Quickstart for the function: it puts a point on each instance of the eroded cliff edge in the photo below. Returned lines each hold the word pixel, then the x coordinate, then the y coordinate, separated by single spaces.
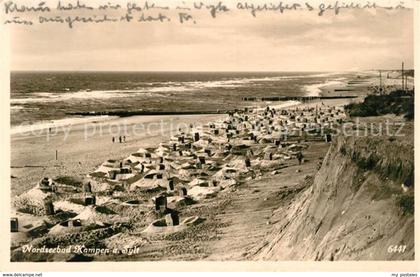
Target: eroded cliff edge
pixel 359 206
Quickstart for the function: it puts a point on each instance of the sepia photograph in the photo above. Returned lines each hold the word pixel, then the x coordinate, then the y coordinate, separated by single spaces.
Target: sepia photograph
pixel 210 130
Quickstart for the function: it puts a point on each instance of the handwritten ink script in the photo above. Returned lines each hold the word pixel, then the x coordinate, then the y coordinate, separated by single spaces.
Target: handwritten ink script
pixel 74 13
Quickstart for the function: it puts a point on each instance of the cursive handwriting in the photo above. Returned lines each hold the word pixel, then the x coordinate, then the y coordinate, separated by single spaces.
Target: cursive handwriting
pixel 72 12
pixel 336 7
pixel 133 7
pixel 254 8
pixel 214 9
pixel 11 7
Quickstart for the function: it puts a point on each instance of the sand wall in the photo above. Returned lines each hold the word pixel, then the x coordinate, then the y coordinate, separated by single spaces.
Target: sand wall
pixel 351 211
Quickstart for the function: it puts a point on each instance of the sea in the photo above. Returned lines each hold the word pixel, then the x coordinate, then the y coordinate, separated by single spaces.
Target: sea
pixel 38 97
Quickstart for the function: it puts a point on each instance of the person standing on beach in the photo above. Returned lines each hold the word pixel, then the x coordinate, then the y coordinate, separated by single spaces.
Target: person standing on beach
pixel 113 139
pixel 123 138
pixel 120 139
pixel 299 156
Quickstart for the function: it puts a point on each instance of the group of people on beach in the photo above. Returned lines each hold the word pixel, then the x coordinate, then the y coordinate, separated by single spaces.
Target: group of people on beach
pixel 121 139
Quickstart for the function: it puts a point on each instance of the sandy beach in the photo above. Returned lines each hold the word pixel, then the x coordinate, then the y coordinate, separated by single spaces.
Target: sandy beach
pixel 87 142
pixel 84 147
pixel 223 219
pixel 271 190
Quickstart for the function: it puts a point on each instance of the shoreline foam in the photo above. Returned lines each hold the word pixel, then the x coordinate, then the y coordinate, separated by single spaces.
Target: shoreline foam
pixel 58 123
pixel 316 89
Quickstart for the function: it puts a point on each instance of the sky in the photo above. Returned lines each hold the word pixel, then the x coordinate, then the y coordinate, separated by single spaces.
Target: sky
pixel 234 41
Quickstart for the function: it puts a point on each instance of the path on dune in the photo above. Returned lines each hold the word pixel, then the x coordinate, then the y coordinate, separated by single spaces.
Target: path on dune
pixel 247 217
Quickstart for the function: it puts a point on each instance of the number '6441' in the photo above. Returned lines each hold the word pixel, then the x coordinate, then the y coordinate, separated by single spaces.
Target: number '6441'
pixel 397 248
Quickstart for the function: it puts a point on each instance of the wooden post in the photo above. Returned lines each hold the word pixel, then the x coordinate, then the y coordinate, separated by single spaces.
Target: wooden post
pixel 402 75
pixel 380 82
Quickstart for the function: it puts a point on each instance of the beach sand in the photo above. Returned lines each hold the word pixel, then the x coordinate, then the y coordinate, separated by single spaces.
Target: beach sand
pixel 85 146
pixel 226 234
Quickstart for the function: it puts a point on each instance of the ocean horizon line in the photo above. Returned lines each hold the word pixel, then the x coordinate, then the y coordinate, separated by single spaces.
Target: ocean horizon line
pixel 190 71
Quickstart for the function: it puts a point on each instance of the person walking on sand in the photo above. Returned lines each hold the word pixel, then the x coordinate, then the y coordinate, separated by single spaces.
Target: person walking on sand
pixel 123 138
pixel 120 139
pixel 299 156
pixel 113 139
